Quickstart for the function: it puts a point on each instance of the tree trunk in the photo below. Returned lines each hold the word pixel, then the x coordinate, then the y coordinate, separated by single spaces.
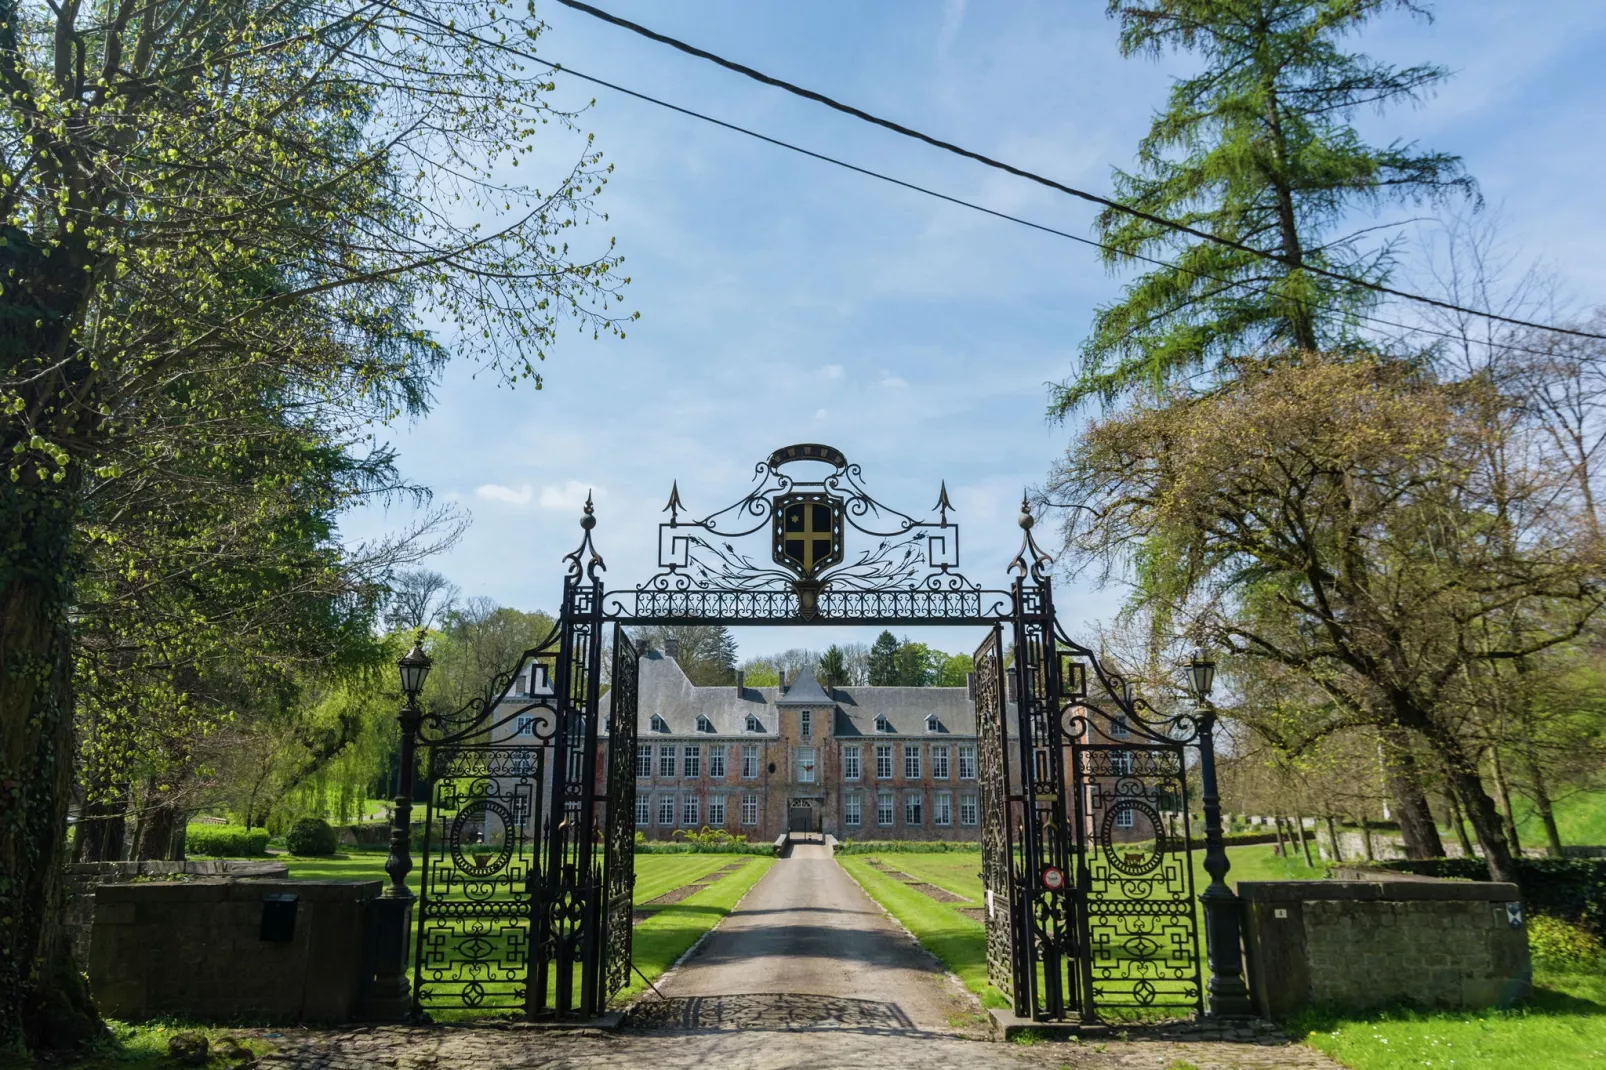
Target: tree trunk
pixel 1366 838
pixel 1547 812
pixel 42 1001
pixel 1418 833
pixel 101 825
pixel 158 832
pixel 1459 822
pixel 1505 801
pixel 1481 811
pixel 1304 844
pixel 1332 836
pixel 1277 823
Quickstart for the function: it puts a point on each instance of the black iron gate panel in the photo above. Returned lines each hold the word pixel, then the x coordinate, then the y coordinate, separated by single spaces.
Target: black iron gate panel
pixel 1139 909
pixel 619 815
pixel 479 855
pixel 998 817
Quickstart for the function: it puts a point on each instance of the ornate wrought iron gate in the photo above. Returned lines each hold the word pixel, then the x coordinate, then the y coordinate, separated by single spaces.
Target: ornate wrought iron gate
pixel 529 868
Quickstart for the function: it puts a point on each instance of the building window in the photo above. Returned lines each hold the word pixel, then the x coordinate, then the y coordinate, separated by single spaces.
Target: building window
pixel 1118 726
pixel 692 760
pixel 658 724
pixel 643 759
pixel 577 764
pixel 942 809
pixel 749 760
pixel 704 724
pixel 882 724
pixel 967 761
pixel 967 809
pixel 883 761
pixel 932 724
pixel 911 809
pixel 851 815
pixel 805 723
pixel 716 810
pixel 749 809
pixel 939 761
pixel 754 724
pixel 716 761
pixel 666 761
pixel 524 726
pixel 689 810
pixel 883 808
pixel 805 765
pixel 850 762
pixel 1126 818
pixel 911 761
pixel 643 810
pixel 523 763
pixel 666 809
pixel 1121 763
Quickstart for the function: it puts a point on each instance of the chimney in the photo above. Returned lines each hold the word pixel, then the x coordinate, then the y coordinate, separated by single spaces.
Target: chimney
pixel 740 675
pixel 1011 684
pixel 672 648
pixel 782 675
pixel 970 686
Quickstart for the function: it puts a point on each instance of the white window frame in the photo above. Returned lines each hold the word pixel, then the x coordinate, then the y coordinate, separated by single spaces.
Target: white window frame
pixel 704 724
pixel 882 724
pixel 808 757
pixel 749 761
pixel 666 809
pixel 754 724
pixel 885 805
pixel 852 810
pixel 939 761
pixel 643 811
pixel 716 761
pixel 643 761
pixel 749 809
pixel 805 723
pixel 883 761
pixel 942 809
pixel 911 761
pixel 968 809
pixel 716 811
pixel 691 810
pixel 852 761
pixel 914 809
pixel 1126 818
pixel 658 724
pixel 967 761
pixel 666 762
pixel 1119 729
pixel 932 724
pixel 691 760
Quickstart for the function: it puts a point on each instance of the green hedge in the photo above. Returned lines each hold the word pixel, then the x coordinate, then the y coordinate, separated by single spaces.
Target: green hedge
pixel 225 841
pixel 671 847
pixel 880 847
pixel 1573 889
pixel 311 837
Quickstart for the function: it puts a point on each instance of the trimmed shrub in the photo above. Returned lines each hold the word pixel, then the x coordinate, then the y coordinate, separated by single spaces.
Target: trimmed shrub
pixel 916 847
pixel 310 836
pixel 1564 947
pixel 225 841
pixel 1571 889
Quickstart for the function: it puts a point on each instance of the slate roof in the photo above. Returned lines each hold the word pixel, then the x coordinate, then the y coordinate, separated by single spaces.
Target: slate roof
pixel 665 691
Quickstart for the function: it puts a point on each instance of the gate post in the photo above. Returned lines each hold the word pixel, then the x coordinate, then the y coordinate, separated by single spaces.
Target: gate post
pixel 1229 996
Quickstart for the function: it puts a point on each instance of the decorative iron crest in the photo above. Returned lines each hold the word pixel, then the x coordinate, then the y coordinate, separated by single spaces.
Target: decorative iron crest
pixel 811 523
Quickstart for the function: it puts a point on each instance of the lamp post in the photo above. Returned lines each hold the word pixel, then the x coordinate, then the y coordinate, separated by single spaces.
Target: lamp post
pixel 392 912
pixel 1229 996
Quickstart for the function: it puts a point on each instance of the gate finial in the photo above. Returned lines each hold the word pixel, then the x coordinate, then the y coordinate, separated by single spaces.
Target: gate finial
pixel 674 507
pixel 1031 560
pixel 587 550
pixel 943 504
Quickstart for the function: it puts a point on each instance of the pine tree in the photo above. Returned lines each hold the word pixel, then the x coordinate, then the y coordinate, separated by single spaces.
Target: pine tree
pixel 833 667
pixel 884 661
pixel 1257 148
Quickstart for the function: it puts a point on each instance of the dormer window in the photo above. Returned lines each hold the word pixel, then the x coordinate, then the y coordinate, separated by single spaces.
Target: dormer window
pixel 932 724
pixel 704 724
pixel 754 724
pixel 658 724
pixel 882 724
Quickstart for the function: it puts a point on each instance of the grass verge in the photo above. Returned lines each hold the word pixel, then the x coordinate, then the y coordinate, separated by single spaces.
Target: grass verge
pixel 667 935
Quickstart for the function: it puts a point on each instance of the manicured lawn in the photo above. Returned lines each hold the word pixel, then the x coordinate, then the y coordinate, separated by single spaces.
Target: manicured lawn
pixel 1562 1026
pixel 1580 818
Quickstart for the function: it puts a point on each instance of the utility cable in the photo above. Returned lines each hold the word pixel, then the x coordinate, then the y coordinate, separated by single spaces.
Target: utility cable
pixel 1105 202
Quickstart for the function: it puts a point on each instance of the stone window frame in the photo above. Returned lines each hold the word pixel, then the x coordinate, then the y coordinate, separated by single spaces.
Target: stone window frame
pixel 749 761
pixel 666 761
pixel 716 811
pixel 940 766
pixel 691 760
pixel 1119 729
pixel 942 809
pixel 967 761
pixel 811 757
pixel 691 809
pixel 1126 818
pixel 852 761
pixel 749 809
pixel 885 808
pixel 716 761
pixel 643 811
pixel 914 807
pixel 883 761
pixel 911 761
pixel 852 810
pixel 666 809
pixel 805 724
pixel 643 761
pixel 969 806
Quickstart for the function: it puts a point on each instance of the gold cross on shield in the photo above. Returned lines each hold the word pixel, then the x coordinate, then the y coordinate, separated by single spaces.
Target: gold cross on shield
pixel 806 531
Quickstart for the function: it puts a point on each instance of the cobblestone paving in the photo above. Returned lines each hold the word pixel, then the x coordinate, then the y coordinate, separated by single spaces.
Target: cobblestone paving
pixel 758 1048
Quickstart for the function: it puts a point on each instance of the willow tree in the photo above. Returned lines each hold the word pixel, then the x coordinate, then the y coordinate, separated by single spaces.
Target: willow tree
pixel 1255 148
pixel 364 158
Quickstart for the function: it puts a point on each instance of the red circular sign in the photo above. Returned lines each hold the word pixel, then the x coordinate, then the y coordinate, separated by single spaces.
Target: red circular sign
pixel 1053 879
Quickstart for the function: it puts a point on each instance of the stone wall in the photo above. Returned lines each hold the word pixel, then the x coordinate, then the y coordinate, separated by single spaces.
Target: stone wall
pixel 84 877
pixel 1360 944
pixel 220 949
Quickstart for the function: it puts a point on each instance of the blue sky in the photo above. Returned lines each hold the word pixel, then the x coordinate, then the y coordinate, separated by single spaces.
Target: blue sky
pixel 785 301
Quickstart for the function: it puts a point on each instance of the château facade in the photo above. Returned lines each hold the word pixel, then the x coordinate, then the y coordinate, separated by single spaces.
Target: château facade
pixel 865 763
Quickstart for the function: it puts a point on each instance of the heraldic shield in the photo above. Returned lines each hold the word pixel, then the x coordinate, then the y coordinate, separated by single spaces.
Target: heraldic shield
pixel 808 533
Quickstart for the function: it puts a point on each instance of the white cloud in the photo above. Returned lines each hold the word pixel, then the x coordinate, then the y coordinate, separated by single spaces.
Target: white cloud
pixel 833 371
pixel 495 492
pixel 892 382
pixel 570 497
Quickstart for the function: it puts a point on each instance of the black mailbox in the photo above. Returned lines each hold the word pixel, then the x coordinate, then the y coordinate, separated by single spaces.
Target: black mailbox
pixel 278 918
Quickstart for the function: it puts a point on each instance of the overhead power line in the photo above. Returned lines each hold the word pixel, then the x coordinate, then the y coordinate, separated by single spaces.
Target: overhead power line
pixel 959 150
